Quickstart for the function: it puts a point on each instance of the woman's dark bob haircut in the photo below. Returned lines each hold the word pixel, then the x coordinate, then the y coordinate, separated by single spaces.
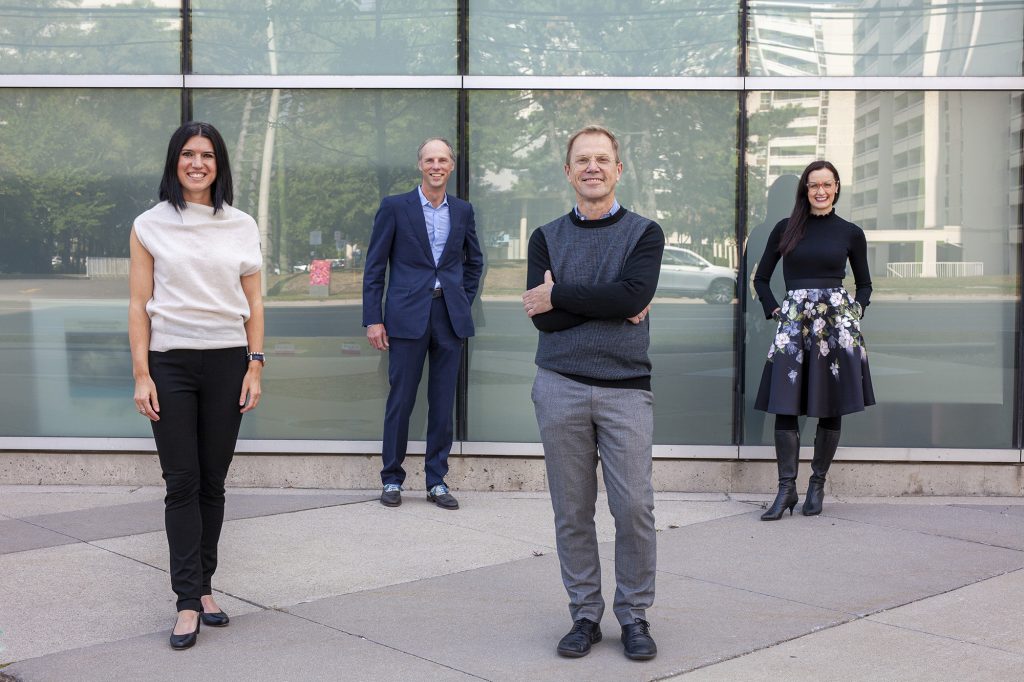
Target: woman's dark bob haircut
pixel 170 188
pixel 797 225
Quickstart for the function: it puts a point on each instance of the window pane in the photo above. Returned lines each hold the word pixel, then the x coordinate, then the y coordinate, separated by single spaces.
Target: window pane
pixel 368 37
pixel 679 169
pixel 76 167
pixel 332 157
pixel 109 37
pixel 933 178
pixel 885 38
pixel 624 38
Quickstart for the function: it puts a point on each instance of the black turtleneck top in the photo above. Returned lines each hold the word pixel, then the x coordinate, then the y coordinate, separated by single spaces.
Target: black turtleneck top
pixel 818 261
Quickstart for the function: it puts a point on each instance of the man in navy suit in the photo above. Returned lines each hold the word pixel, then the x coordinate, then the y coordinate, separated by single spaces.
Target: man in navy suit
pixel 429 240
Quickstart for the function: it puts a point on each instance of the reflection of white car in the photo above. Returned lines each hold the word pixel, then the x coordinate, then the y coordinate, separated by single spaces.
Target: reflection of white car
pixel 685 273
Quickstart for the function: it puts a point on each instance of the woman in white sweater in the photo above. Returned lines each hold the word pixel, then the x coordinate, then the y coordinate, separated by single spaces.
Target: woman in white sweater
pixel 195 323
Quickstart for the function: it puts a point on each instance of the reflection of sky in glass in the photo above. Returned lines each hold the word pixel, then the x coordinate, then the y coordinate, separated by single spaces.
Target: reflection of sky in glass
pixel 624 38
pixel 872 38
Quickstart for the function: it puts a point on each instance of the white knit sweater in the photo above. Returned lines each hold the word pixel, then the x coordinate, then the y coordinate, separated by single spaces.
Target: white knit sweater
pixel 198 260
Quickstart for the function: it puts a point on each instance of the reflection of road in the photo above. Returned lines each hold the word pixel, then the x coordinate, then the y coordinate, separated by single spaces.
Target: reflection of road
pixel 941 369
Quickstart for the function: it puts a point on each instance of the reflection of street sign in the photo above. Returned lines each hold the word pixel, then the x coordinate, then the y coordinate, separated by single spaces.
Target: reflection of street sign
pixel 315 238
pixel 319 278
pixel 337 235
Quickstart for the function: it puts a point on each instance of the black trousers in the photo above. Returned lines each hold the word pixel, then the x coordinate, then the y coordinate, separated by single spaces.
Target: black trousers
pixel 198 393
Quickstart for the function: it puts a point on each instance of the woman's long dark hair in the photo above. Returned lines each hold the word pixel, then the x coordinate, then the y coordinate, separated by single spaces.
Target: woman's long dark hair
pixel 170 188
pixel 797 225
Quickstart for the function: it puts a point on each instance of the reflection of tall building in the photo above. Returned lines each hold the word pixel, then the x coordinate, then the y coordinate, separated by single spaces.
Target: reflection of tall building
pixel 801 43
pixel 893 38
pixel 920 156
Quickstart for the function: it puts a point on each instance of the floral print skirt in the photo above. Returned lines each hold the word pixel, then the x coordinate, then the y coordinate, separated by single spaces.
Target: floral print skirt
pixel 818 363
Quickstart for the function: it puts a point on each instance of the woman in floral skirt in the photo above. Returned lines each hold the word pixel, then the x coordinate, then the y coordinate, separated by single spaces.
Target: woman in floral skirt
pixel 818 363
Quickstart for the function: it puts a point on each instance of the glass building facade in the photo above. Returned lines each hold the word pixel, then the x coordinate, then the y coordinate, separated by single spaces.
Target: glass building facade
pixel 718 104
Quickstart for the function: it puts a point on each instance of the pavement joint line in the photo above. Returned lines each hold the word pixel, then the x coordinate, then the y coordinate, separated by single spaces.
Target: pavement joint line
pixel 832 515
pixel 855 618
pixel 770 645
pixel 285 611
pixel 937 635
pixel 739 588
pixel 25 519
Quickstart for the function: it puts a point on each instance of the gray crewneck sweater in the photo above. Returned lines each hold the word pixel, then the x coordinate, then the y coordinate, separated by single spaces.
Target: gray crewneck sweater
pixel 602 349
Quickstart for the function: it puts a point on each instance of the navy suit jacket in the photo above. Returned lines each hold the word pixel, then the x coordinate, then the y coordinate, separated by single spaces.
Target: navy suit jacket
pixel 400 240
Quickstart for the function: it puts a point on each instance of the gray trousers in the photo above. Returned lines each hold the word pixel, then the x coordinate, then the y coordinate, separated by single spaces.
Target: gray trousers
pixel 576 421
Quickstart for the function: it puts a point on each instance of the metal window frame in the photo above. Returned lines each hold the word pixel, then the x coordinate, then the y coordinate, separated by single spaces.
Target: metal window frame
pixel 512 450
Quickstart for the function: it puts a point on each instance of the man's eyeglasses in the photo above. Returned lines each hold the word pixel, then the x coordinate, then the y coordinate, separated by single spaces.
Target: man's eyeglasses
pixel 815 186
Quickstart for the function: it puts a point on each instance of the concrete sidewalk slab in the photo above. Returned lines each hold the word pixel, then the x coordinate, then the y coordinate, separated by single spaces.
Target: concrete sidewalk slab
pixel 18 501
pixel 263 647
pixel 988 613
pixel 832 563
pixel 20 536
pixel 1016 510
pixel 965 523
pixel 866 650
pixel 286 559
pixel 77 595
pixel 119 520
pixel 530 519
pixel 369 592
pixel 503 622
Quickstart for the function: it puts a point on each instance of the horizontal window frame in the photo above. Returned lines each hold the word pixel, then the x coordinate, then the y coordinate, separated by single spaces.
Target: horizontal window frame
pixel 518 449
pixel 448 82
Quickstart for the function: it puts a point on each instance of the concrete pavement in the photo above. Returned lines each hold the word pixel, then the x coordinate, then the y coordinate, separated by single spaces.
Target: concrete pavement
pixel 330 585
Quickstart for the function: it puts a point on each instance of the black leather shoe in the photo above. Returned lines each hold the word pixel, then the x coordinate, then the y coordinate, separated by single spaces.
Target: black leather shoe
pixel 214 620
pixel 391 496
pixel 440 496
pixel 186 640
pixel 577 642
pixel 636 638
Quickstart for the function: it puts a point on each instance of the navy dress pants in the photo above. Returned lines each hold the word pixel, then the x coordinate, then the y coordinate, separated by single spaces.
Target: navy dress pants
pixel 198 393
pixel 405 368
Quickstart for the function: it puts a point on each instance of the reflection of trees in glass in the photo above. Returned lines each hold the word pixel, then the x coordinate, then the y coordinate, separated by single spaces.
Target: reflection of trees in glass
pixel 603 37
pixel 76 166
pixel 325 36
pixel 61 36
pixel 336 155
pixel 677 149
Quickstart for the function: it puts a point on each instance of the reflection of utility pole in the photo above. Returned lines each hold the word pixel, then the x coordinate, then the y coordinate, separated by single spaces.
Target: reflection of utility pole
pixel 263 205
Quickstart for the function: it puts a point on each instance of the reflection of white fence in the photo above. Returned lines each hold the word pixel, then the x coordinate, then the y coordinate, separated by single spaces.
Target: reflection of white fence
pixel 106 267
pixel 947 269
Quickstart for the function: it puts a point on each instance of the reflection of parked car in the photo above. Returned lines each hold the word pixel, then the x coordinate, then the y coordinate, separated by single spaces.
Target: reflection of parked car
pixel 301 267
pixel 685 273
pixel 338 264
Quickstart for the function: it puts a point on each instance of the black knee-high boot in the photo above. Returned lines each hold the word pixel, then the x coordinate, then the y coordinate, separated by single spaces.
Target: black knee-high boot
pixel 825 443
pixel 787 456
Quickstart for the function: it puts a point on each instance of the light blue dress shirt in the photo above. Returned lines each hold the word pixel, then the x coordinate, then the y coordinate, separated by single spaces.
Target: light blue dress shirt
pixel 576 208
pixel 439 224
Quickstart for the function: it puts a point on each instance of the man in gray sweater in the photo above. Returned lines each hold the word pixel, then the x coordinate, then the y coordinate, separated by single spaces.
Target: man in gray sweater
pixel 591 276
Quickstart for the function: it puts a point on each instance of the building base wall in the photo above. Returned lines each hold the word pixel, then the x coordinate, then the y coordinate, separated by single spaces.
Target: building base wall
pixel 512 474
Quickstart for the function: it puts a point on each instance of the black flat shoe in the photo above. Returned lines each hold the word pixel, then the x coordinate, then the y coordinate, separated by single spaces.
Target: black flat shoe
pixel 637 640
pixel 214 620
pixel 577 641
pixel 187 640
